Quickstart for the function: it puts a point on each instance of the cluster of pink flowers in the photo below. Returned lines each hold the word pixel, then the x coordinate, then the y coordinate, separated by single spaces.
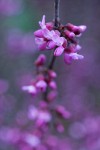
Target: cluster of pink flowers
pixel 61 39
pixel 42 114
pixel 44 79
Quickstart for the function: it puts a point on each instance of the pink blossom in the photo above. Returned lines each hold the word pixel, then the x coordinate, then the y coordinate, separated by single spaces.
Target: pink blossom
pixel 61 111
pixel 72 56
pixel 30 89
pixel 42 23
pixel 33 113
pixel 41 85
pixel 57 39
pixel 76 29
pixel 44 116
pixel 78 47
pixel 41 43
pixel 32 140
pixel 52 74
pixel 61 40
pixel 48 39
pixel 40 60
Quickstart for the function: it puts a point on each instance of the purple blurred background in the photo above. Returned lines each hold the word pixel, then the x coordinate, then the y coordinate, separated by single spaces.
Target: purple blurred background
pixel 78 83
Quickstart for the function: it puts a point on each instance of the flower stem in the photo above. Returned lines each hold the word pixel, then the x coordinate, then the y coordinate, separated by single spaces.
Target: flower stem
pixel 56 23
pixel 57 4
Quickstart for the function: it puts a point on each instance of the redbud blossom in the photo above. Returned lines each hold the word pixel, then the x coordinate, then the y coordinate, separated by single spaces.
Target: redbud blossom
pixel 30 89
pixel 40 60
pixel 41 85
pixel 62 40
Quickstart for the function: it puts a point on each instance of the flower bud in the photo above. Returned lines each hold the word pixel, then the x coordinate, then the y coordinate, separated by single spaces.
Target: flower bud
pixel 62 112
pixel 52 74
pixel 40 60
pixel 52 96
pixel 49 25
pixel 53 85
pixel 69 34
pixel 73 28
pixel 41 85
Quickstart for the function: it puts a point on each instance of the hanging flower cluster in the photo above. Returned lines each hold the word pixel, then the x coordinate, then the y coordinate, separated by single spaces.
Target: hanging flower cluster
pixel 44 79
pixel 42 115
pixel 61 39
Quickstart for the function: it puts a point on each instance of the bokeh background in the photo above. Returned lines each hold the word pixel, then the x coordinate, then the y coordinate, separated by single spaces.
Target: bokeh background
pixel 78 83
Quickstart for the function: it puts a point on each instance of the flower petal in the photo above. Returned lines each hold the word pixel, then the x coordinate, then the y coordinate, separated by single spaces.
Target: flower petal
pixel 30 89
pixel 39 33
pixel 51 45
pixel 58 51
pixel 76 56
pixel 72 56
pixel 42 23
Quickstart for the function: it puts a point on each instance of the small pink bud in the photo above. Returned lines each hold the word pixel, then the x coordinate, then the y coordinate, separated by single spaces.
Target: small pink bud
pixel 49 25
pixel 53 85
pixel 52 74
pixel 62 112
pixel 40 60
pixel 69 34
pixel 41 85
pixel 58 51
pixel 73 28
